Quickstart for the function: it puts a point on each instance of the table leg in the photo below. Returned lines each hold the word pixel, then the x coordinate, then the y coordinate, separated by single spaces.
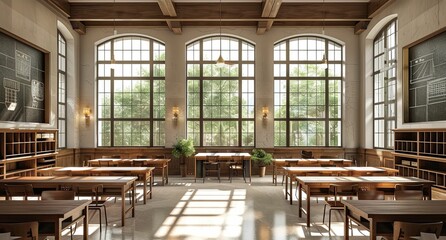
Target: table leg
pixel 300 200
pixel 308 208
pixel 372 229
pixel 85 237
pixel 151 183
pixel 162 174
pixel 58 229
pixel 286 187
pixel 291 189
pixel 274 175
pixel 133 198
pixel 167 173
pixel 346 223
pixel 123 206
pixel 144 189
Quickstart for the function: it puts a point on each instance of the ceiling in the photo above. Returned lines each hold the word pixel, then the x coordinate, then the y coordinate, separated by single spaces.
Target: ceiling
pixel 259 14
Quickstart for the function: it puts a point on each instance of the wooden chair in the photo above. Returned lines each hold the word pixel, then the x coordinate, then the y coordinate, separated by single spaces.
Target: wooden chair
pixel 95 192
pixel 406 230
pixel 25 230
pixel 371 195
pixel 409 195
pixel 336 191
pixel 307 154
pixel 22 190
pixel 211 165
pixel 62 195
pixel 236 165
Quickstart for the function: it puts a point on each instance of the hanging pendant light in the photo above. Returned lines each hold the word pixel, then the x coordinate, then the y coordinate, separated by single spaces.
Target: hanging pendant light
pixel 220 61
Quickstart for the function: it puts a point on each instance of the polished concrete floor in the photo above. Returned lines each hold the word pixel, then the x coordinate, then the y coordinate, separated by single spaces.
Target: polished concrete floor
pixel 184 209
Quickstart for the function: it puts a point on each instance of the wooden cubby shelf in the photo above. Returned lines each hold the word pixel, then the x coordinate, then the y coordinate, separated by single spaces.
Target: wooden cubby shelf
pixel 421 153
pixel 23 151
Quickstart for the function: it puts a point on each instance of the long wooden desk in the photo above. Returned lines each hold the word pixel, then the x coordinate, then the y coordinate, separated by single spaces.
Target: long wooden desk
pixel 144 174
pixel 55 212
pixel 372 214
pixel 116 186
pixel 319 186
pixel 292 172
pixel 200 157
pixel 288 162
pixel 157 163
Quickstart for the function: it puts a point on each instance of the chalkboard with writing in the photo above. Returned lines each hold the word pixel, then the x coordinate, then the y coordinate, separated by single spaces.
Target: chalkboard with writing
pixel 22 81
pixel 427 80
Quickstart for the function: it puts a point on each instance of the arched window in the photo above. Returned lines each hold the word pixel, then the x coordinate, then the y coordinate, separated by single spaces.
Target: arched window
pixel 131 99
pixel 384 86
pixel 62 89
pixel 308 74
pixel 220 100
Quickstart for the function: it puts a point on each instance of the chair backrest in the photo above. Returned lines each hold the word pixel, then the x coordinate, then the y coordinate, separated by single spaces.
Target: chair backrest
pixel 23 190
pixel 25 230
pixel 371 195
pixel 105 163
pixel 406 230
pixel 343 189
pixel 58 195
pixel 409 195
pixel 138 163
pixel 97 191
pixel 307 154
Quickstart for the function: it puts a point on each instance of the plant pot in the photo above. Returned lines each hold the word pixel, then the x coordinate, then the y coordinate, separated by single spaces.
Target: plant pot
pixel 262 170
pixel 183 170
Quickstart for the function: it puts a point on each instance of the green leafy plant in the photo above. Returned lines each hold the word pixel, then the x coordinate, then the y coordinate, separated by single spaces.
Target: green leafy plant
pixel 261 157
pixel 183 148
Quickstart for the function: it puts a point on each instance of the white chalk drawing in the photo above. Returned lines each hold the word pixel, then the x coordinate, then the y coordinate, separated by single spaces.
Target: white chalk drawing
pixel 22 65
pixel 422 68
pixel 11 89
pixel 436 91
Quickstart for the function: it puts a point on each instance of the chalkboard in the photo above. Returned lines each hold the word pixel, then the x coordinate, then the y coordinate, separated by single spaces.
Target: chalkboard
pixel 427 80
pixel 22 81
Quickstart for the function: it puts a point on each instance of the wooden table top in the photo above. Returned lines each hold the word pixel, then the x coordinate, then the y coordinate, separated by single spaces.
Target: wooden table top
pixel 373 208
pixel 227 154
pixel 108 180
pixel 362 179
pixel 57 208
pixel 332 169
pixel 311 160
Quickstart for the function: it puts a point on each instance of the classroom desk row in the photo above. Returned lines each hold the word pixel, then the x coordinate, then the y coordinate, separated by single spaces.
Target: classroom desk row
pixel 57 212
pixel 158 163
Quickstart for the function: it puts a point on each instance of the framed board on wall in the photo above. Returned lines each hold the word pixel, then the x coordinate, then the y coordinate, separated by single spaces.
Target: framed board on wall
pixel 23 80
pixel 424 79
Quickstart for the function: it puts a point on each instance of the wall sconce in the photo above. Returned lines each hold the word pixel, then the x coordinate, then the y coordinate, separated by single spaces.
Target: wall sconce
pixel 87 113
pixel 176 113
pixel 265 112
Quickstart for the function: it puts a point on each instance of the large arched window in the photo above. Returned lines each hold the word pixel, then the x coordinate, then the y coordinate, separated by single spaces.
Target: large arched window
pixel 384 86
pixel 308 74
pixel 62 89
pixel 220 100
pixel 131 99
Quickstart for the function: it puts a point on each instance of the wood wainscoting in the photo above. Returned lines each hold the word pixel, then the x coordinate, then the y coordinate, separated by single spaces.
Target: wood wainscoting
pixel 376 157
pixel 76 157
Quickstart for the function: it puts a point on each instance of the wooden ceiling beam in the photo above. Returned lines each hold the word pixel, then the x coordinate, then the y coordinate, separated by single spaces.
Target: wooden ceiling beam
pixel 63 6
pixel 270 10
pixel 361 27
pixel 167 8
pixel 375 6
pixel 175 26
pixel 79 27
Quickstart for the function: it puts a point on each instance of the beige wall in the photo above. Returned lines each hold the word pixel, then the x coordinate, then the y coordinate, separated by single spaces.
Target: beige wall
pixel 36 23
pixel 416 19
pixel 175 75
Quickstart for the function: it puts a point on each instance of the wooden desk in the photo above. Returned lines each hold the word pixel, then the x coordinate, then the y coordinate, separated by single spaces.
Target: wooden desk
pixel 373 213
pixel 292 172
pixel 51 211
pixel 116 186
pixel 282 162
pixel 158 163
pixel 200 157
pixel 144 174
pixel 319 186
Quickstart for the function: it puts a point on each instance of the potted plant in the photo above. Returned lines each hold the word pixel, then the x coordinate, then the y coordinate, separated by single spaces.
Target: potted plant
pixel 262 159
pixel 182 149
